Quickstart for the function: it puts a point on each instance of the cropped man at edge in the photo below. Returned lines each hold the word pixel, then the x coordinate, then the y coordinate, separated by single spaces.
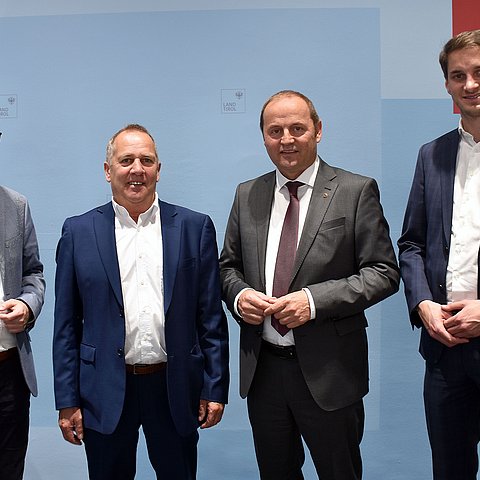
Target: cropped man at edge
pixel 439 258
pixel 22 292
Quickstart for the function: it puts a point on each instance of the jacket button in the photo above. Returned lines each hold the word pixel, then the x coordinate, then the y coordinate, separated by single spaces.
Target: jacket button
pixel 120 352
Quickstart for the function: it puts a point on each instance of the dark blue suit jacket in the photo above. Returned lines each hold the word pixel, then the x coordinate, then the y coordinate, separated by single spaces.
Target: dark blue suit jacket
pixel 89 332
pixel 425 240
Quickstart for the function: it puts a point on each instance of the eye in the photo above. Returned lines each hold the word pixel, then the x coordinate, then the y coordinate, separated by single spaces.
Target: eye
pixel 297 130
pixel 148 161
pixel 275 132
pixel 125 161
pixel 458 76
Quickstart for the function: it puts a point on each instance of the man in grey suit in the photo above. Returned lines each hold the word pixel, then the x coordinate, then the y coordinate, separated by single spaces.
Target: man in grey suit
pixel 22 289
pixel 303 349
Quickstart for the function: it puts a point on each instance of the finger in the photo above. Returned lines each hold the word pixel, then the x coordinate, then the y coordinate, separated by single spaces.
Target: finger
pixel 202 411
pixel 78 429
pixel 69 435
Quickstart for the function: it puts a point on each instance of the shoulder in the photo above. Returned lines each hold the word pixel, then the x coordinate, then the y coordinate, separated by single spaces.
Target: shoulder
pixel 170 209
pixel 344 177
pixel 9 195
pixel 449 138
pixel 87 216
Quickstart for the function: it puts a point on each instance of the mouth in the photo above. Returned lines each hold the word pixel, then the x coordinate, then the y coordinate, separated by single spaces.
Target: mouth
pixel 135 184
pixel 472 97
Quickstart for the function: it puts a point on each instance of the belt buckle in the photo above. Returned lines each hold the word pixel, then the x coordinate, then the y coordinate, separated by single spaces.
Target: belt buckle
pixel 135 367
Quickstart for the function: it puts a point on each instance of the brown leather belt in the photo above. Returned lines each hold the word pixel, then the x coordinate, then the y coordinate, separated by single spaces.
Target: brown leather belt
pixel 145 369
pixel 6 354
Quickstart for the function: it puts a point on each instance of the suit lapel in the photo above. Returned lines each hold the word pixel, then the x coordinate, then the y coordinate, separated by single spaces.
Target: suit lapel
pixel 2 237
pixel 171 233
pixel 104 228
pixel 262 200
pixel 448 159
pixel 322 194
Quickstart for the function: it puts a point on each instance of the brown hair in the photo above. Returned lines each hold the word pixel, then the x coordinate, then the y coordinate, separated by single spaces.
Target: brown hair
pixel 466 39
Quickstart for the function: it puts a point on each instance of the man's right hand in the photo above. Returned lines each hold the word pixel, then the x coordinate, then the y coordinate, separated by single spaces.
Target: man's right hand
pixel 251 305
pixel 433 316
pixel 70 421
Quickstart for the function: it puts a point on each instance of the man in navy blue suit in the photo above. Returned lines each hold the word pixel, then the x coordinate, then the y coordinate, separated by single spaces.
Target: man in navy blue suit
pixel 140 336
pixel 439 260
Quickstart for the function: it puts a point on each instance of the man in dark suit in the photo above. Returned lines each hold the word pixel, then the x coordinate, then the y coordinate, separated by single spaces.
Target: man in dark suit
pixel 22 291
pixel 439 252
pixel 140 336
pixel 306 380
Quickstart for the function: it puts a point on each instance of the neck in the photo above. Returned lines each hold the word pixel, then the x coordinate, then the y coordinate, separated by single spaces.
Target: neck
pixel 472 126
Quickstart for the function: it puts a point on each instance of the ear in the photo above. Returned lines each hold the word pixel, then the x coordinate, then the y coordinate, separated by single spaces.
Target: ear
pixel 106 168
pixel 158 171
pixel 447 87
pixel 318 128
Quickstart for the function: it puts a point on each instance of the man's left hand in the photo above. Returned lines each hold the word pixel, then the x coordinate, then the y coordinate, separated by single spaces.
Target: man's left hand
pixel 210 413
pixel 465 323
pixel 15 315
pixel 291 310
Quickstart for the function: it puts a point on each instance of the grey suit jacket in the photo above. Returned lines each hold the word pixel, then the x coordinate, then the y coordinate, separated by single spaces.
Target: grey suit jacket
pixel 21 270
pixel 346 259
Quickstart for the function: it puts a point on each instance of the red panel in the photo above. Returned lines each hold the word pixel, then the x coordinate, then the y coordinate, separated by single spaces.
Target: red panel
pixel 465 15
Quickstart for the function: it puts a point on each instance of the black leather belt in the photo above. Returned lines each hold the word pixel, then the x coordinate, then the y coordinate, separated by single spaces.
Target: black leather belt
pixel 282 351
pixel 145 369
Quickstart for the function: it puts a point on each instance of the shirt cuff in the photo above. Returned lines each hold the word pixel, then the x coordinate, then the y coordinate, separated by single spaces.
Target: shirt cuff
pixel 313 311
pixel 235 302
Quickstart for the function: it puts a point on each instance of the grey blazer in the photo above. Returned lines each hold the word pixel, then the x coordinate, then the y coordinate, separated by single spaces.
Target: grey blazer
pixel 21 270
pixel 344 256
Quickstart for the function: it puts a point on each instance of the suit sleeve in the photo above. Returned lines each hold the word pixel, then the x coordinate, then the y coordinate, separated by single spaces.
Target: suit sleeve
pixel 412 245
pixel 33 283
pixel 375 274
pixel 67 324
pixel 231 261
pixel 212 325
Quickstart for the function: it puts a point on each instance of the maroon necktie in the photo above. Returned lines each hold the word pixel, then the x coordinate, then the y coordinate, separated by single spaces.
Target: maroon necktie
pixel 286 251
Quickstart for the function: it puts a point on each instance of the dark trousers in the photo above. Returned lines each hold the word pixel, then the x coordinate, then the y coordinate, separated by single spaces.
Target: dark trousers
pixel 282 412
pixel 113 457
pixel 452 407
pixel 14 419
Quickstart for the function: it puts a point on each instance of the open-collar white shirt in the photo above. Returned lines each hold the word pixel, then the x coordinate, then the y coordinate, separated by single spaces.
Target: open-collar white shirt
pixel 140 259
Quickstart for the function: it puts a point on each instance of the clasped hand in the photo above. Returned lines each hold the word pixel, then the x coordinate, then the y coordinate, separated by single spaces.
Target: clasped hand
pixel 451 324
pixel 15 315
pixel 291 310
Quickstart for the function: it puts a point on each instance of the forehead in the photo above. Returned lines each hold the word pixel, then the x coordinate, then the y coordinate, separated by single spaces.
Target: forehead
pixel 132 140
pixel 289 108
pixel 464 58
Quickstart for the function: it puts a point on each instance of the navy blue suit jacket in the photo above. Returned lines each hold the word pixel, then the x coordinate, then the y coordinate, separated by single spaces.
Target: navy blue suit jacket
pixel 89 332
pixel 425 241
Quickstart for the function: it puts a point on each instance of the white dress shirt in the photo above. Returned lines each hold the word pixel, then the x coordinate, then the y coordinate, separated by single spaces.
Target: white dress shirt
pixel 462 269
pixel 140 259
pixel 281 200
pixel 7 339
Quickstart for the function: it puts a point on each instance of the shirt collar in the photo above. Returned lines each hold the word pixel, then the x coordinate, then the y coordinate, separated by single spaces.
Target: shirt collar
pixel 146 217
pixel 307 176
pixel 465 136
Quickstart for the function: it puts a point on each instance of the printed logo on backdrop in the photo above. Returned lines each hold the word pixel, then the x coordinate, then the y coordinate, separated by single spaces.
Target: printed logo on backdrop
pixel 8 106
pixel 233 100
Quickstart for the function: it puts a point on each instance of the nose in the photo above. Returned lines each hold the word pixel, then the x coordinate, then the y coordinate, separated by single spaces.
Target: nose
pixel 137 166
pixel 471 83
pixel 286 137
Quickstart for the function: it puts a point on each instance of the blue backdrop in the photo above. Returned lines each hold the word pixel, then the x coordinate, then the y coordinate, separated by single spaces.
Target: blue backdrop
pixel 79 78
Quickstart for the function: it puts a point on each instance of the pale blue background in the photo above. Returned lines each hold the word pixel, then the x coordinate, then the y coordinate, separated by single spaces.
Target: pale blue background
pixel 81 70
